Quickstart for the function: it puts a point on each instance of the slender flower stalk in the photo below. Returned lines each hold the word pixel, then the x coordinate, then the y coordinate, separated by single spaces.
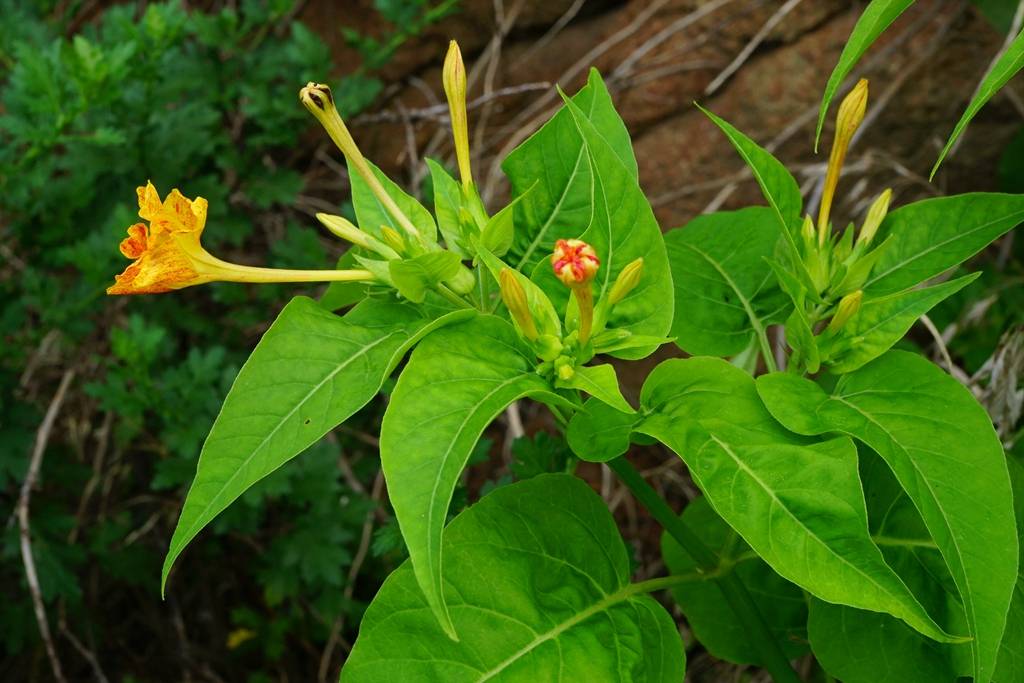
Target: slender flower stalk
pixel 167 254
pixel 318 99
pixel 453 78
pixel 848 120
pixel 575 263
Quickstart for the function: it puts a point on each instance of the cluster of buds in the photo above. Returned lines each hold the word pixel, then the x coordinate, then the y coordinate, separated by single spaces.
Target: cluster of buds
pixel 838 268
pixel 575 264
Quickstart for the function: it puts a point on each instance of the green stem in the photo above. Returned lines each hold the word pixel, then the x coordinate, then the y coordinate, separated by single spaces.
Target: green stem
pixel 453 297
pixel 771 655
pixel 766 349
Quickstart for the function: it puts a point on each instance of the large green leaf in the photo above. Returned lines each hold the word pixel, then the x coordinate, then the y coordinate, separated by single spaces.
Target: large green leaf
pixel 539 591
pixel 554 157
pixel 943 450
pixel 799 505
pixel 309 373
pixel 867 647
pixel 877 17
pixel 456 382
pixel 1005 68
pixel 1010 664
pixel 931 236
pixel 599 432
pixel 725 292
pixel 371 214
pixel 705 607
pixel 881 322
pixel 622 229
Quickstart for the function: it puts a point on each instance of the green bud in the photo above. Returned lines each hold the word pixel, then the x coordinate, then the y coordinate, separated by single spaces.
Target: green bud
pixel 876 214
pixel 847 308
pixel 548 347
pixel 463 282
pixel 393 239
pixel 626 282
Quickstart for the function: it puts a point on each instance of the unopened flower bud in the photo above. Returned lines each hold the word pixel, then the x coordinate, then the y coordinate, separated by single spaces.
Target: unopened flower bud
pixel 548 347
pixel 876 214
pixel 626 282
pixel 344 229
pixel 454 79
pixel 393 239
pixel 564 368
pixel 514 296
pixel 807 232
pixel 848 120
pixel 463 281
pixel 575 262
pixel 847 308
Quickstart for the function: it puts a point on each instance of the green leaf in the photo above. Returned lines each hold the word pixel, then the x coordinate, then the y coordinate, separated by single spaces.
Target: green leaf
pixel 499 232
pixel 1005 68
pixel 943 450
pixel 880 323
pixel 868 647
pixel 555 158
pixel 599 432
pixel 447 207
pixel 371 214
pixel 706 608
pixel 933 235
pixel 413 277
pixel 799 505
pixel 725 292
pixel 601 382
pixel 777 184
pixel 539 591
pixel 308 374
pixel 622 229
pixel 877 17
pixel 1010 663
pixel 341 294
pixel 456 382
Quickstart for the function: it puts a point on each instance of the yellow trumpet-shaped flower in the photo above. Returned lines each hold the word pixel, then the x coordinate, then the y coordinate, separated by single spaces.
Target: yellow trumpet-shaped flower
pixel 167 254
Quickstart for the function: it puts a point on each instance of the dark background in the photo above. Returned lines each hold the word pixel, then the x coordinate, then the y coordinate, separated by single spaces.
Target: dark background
pixel 98 97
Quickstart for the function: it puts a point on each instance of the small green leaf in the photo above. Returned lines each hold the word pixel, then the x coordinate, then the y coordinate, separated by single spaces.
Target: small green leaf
pixel 706 608
pixel 453 386
pixel 341 294
pixel 725 292
pixel 413 277
pixel 943 450
pixel 931 236
pixel 447 207
pixel 601 382
pixel 799 505
pixel 1005 68
pixel 880 323
pixel 877 17
pixel 539 591
pixel 599 432
pixel 499 232
pixel 309 373
pixel 371 214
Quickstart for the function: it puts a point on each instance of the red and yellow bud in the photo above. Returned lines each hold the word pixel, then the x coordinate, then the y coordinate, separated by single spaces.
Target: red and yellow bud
pixel 575 263
pixel 167 254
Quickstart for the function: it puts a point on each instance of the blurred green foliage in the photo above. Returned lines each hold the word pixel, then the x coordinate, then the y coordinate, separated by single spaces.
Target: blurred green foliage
pixel 92 106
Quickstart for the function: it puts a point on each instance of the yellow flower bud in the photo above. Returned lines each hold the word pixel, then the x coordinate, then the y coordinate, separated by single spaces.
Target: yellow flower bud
pixel 393 239
pixel 876 214
pixel 848 120
pixel 514 296
pixel 317 98
pixel 847 308
pixel 344 229
pixel 454 79
pixel 626 282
